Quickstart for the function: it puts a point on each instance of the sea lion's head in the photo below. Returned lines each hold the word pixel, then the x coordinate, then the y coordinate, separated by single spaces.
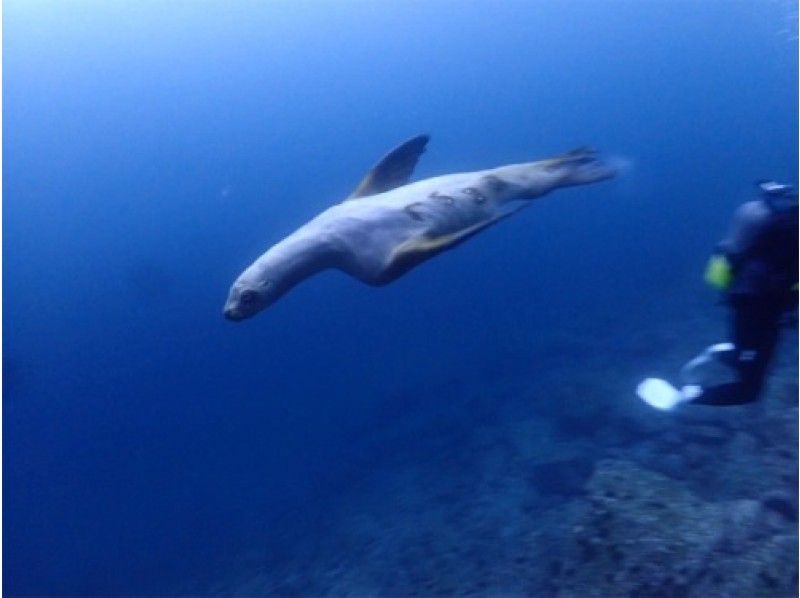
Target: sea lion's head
pixel 275 273
pixel 249 295
pixel 264 282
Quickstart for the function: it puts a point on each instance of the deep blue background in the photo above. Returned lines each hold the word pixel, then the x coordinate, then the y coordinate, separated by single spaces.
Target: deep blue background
pixel 152 150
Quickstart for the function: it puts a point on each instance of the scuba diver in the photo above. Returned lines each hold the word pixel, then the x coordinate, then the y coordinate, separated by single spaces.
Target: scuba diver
pixel 756 266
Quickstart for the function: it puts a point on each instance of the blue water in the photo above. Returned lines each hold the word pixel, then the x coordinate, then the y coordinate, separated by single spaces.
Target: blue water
pixel 153 149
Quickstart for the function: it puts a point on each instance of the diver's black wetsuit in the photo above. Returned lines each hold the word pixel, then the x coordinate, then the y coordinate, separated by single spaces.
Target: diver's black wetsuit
pixel 763 252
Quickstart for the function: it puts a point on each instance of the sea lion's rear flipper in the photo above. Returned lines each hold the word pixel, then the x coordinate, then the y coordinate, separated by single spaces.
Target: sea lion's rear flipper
pixel 394 169
pixel 581 155
pixel 579 167
pixel 416 251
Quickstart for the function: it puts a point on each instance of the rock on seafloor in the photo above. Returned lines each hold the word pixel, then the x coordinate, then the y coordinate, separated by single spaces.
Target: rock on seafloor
pixel 518 495
pixel 643 534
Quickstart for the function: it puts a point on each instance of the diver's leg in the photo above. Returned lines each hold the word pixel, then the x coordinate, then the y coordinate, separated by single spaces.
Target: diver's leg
pixel 755 333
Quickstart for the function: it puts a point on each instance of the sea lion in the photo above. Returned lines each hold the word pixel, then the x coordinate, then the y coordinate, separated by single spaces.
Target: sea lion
pixel 388 226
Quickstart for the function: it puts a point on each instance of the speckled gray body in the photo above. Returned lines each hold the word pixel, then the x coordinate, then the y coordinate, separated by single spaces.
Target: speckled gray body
pixel 379 237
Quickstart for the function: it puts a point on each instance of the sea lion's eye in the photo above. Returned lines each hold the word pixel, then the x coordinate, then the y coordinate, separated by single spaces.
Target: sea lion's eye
pixel 248 297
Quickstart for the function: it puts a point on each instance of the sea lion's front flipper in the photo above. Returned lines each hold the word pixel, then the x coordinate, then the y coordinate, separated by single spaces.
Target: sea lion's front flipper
pixel 394 169
pixel 416 251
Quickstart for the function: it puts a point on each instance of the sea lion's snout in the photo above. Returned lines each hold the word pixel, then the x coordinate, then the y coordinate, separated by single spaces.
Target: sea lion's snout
pixel 230 313
pixel 246 300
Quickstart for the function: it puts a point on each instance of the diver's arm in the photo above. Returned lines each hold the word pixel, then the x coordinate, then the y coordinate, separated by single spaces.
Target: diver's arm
pixel 729 253
pixel 747 220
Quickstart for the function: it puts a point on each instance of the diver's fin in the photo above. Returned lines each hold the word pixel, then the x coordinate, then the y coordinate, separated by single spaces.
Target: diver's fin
pixel 660 394
pixel 413 252
pixel 724 353
pixel 394 169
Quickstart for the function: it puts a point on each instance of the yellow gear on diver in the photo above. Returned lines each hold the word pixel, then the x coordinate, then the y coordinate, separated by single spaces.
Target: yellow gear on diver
pixel 719 273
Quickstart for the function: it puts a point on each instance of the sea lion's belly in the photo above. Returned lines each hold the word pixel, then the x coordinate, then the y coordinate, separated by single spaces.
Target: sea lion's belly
pixel 369 230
